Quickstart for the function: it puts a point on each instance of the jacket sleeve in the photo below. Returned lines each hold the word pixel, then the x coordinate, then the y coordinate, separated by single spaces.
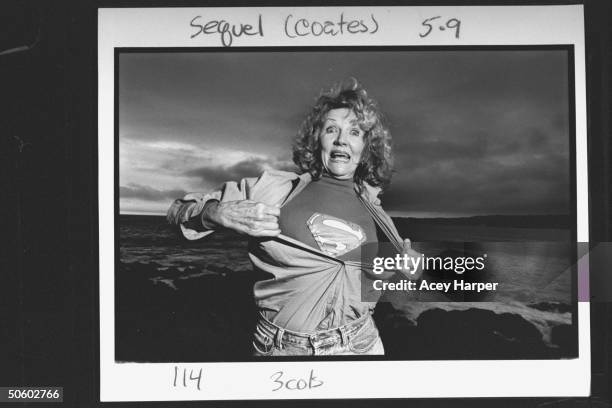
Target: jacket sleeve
pixel 183 209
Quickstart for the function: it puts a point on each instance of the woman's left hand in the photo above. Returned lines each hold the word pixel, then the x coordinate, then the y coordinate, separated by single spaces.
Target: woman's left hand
pixel 411 272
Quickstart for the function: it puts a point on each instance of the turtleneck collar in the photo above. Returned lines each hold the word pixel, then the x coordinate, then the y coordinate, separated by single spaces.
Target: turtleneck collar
pixel 343 184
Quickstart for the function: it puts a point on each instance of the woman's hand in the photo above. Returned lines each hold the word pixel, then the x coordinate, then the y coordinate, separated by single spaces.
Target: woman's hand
pixel 411 272
pixel 245 217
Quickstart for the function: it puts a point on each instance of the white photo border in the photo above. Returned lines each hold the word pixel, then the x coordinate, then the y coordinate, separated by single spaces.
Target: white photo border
pixel 398 26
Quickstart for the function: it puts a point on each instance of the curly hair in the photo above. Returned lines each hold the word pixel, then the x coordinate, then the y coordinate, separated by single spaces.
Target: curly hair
pixel 376 163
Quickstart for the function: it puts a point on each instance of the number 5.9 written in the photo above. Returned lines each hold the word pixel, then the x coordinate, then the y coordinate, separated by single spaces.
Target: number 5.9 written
pixel 430 25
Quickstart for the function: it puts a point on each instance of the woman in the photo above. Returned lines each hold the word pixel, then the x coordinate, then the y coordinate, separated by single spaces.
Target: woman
pixel 308 231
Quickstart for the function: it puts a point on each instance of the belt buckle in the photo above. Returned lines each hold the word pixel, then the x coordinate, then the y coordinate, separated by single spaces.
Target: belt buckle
pixel 313 338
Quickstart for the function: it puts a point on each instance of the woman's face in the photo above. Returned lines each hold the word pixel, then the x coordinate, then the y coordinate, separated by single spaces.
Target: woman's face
pixel 342 141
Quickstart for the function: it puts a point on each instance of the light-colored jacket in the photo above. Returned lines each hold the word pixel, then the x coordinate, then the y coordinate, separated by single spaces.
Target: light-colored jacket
pixel 309 286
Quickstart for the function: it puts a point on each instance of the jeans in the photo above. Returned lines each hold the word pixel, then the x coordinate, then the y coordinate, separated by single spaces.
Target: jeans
pixel 359 337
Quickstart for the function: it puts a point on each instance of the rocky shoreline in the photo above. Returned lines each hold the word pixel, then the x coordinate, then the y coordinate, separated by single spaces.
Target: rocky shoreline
pixel 206 314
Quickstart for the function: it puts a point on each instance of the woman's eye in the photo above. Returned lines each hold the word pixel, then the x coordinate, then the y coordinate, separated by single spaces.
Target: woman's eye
pixel 330 129
pixel 355 132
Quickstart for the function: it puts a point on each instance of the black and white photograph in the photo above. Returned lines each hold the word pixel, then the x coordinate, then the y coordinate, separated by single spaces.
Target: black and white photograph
pixel 339 203
pixel 267 149
pixel 306 204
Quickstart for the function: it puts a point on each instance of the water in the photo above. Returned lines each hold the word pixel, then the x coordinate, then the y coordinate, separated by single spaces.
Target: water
pixel 532 265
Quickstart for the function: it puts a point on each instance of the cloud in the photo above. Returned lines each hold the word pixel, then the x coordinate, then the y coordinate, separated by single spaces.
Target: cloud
pixel 251 167
pixel 137 191
pixel 522 185
pixel 476 132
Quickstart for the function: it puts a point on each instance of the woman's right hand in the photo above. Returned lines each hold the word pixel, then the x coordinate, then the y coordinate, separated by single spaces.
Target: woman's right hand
pixel 245 217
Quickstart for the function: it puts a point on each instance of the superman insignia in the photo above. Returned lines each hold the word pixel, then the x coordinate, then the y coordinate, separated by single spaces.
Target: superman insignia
pixel 335 236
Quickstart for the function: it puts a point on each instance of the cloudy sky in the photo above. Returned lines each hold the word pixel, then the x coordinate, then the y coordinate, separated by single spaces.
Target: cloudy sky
pixel 475 132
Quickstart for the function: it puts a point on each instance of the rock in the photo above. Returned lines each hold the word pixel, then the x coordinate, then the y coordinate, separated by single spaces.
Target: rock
pixel 564 336
pixel 552 307
pixel 460 334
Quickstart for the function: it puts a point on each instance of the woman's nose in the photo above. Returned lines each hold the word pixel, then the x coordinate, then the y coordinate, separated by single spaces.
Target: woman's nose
pixel 340 138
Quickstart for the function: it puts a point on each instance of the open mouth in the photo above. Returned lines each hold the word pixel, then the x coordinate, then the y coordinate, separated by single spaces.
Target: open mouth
pixel 340 155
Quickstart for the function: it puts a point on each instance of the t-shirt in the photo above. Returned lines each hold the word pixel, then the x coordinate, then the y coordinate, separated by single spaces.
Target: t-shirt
pixel 298 289
pixel 329 216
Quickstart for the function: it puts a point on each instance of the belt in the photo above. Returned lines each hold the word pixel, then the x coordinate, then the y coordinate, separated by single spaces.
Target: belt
pixel 315 340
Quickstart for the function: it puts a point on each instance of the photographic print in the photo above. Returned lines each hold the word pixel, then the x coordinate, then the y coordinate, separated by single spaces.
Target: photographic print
pixel 345 199
pixel 481 155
